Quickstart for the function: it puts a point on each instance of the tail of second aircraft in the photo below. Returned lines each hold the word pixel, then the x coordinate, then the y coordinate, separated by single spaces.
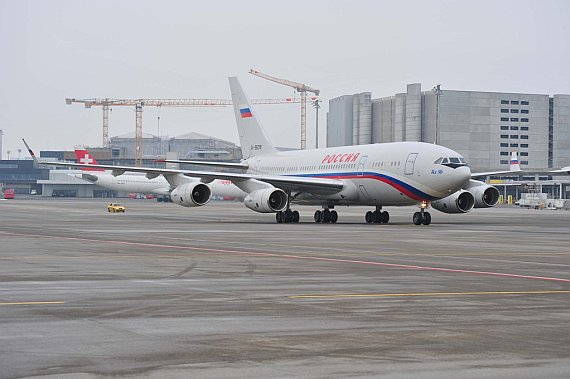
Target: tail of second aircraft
pixel 514 166
pixel 85 158
pixel 252 137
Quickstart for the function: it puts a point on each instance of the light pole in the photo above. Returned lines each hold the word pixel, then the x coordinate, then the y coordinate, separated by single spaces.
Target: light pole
pixel 159 139
pixel 316 105
pixel 437 91
pixel 8 153
pixel 19 153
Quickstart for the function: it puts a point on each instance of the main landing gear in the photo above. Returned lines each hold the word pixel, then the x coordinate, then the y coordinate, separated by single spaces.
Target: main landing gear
pixel 377 217
pixel 422 217
pixel 287 216
pixel 326 216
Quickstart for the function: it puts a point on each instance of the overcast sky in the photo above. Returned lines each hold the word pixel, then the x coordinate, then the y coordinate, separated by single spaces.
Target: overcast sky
pixel 50 50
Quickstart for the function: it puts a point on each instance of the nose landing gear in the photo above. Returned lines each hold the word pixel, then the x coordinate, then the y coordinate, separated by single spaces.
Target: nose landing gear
pixel 422 217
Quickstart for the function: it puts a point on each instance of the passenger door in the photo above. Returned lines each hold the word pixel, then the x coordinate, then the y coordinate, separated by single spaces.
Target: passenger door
pixel 410 164
pixel 361 163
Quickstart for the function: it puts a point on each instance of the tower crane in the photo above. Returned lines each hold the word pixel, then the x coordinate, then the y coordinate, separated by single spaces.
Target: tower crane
pixel 106 103
pixel 302 89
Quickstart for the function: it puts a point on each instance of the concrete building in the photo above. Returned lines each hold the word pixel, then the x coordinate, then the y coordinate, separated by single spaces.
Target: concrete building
pixel 482 126
pixel 187 146
pixel 339 121
pixel 349 120
pixel 559 116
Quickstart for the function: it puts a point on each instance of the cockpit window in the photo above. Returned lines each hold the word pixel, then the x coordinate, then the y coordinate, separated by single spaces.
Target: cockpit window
pixel 451 161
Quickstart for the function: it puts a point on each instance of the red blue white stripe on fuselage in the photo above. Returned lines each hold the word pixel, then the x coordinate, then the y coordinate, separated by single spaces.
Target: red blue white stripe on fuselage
pixel 403 187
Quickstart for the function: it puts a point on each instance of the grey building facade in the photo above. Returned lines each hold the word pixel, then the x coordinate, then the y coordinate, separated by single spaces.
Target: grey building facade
pixel 187 146
pixel 339 121
pixel 560 113
pixel 482 126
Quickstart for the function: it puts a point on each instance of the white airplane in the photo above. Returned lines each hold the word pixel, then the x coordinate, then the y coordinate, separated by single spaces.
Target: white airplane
pixel 376 175
pixel 563 170
pixel 133 182
pixel 137 182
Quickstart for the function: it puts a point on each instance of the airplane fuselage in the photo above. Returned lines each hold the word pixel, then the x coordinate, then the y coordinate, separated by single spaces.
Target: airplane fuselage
pixel 159 186
pixel 398 173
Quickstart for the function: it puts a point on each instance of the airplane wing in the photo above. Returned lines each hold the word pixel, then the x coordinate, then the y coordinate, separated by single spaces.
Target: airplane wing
pixel 513 168
pixel 563 170
pixel 294 183
pixel 491 173
pixel 243 166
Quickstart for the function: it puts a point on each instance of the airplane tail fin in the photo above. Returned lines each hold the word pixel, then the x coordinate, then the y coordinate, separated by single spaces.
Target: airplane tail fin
pixel 171 155
pixel 85 158
pixel 514 166
pixel 34 158
pixel 252 137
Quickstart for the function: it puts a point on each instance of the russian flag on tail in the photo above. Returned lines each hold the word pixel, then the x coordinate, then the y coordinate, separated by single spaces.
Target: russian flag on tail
pixel 514 163
pixel 245 112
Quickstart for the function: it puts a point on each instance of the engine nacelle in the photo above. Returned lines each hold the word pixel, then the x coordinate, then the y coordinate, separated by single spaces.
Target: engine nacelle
pixel 460 202
pixel 486 196
pixel 191 194
pixel 266 200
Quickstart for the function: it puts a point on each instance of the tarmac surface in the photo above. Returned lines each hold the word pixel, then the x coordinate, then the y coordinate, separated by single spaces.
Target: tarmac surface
pixel 163 291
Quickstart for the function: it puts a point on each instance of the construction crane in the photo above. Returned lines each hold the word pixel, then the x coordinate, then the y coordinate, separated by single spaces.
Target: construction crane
pixel 106 103
pixel 302 89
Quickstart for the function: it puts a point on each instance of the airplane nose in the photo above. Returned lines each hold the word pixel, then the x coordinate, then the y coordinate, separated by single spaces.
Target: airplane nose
pixel 463 174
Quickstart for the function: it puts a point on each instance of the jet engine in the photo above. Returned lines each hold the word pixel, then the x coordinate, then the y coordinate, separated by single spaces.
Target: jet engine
pixel 460 202
pixel 486 196
pixel 266 200
pixel 191 194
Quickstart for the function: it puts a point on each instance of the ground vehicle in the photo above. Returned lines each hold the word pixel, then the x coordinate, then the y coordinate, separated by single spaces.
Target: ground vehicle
pixel 114 207
pixel 8 193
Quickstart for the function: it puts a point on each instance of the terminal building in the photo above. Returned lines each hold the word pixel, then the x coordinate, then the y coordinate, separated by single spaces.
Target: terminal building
pixel 482 126
pixel 187 146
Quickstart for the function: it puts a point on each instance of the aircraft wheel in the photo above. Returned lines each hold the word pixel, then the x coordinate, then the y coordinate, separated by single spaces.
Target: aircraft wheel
pixel 369 217
pixel 417 218
pixel 334 217
pixel 377 217
pixel 326 216
pixel 385 217
pixel 296 216
pixel 317 217
pixel 427 219
pixel 280 217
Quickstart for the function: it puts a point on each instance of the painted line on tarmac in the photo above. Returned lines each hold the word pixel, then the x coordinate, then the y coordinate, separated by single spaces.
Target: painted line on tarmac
pixel 425 294
pixel 297 257
pixel 32 303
